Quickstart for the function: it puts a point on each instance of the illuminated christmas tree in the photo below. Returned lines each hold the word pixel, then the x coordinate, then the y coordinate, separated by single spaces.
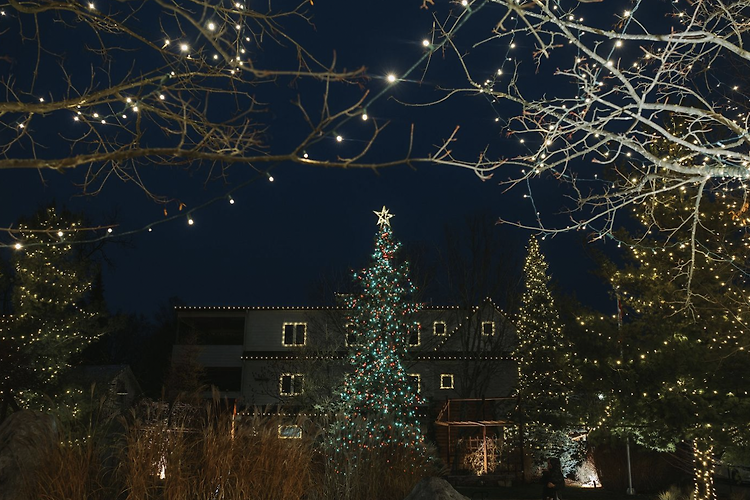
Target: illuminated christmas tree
pixel 542 353
pixel 544 369
pixel 53 319
pixel 379 398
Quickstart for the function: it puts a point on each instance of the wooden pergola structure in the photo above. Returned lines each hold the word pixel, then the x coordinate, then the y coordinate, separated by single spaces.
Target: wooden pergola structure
pixel 475 414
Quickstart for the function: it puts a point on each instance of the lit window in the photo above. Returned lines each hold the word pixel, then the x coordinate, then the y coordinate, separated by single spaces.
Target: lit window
pixel 290 384
pixel 294 334
pixel 351 337
pixel 415 382
pixel 488 327
pixel 439 328
pixel 413 334
pixel 446 381
pixel 290 432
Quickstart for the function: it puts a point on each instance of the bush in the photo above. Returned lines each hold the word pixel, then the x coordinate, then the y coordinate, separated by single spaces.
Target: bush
pixel 188 453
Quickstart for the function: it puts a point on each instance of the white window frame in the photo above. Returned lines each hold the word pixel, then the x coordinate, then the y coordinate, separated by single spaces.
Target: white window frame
pixel 295 324
pixel 286 435
pixel 296 391
pixel 484 323
pixel 419 334
pixel 452 379
pixel 445 328
pixel 419 381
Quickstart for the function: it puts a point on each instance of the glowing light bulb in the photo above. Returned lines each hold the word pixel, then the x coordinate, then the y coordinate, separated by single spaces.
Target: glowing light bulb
pixel 75 118
pixel 339 138
pixel 618 43
pixel 305 155
pixel 216 56
pixel 109 230
pixel 425 43
pixel 212 26
pixel 190 220
pixel 364 117
pixel 391 78
pixel 92 6
pixel 18 246
pixel 270 178
pixel 464 2
pixel 60 234
pixel 162 96
pixel 184 47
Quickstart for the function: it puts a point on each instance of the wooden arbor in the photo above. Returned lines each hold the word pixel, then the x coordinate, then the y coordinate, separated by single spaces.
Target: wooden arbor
pixel 465 418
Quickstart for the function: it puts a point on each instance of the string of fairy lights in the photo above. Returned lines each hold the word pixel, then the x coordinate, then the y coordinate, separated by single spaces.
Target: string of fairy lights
pixel 239 60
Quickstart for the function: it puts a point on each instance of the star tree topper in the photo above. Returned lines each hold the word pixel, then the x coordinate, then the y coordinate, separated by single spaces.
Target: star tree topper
pixel 383 217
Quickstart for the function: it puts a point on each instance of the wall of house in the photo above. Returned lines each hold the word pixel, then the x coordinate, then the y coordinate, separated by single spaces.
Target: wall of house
pixel 263 357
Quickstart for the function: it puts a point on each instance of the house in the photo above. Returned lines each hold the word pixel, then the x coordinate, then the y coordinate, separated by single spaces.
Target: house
pixel 261 356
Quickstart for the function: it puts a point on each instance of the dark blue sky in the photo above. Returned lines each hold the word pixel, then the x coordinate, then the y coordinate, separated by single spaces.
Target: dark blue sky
pixel 279 238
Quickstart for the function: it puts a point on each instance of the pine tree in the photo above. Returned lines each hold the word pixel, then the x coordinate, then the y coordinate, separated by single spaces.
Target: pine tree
pixel 543 355
pixel 379 400
pixel 544 368
pixel 53 319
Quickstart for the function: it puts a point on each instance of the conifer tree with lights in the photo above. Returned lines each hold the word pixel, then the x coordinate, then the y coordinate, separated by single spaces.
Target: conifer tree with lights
pixel 379 399
pixel 543 357
pixel 673 371
pixel 53 318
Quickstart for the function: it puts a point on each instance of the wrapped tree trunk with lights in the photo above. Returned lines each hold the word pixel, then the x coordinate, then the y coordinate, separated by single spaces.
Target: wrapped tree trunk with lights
pixel 53 316
pixel 543 357
pixel 379 399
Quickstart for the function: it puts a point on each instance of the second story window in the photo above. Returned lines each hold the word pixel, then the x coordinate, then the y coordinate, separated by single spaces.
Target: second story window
pixel 446 381
pixel 439 328
pixel 351 337
pixel 415 382
pixel 294 334
pixel 488 328
pixel 290 384
pixel 413 334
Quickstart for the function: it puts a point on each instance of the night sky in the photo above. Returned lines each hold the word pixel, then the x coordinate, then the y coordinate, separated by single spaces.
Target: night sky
pixel 276 241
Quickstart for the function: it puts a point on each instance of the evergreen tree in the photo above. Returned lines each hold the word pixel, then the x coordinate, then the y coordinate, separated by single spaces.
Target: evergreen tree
pixel 542 354
pixel 544 367
pixel 379 400
pixel 676 365
pixel 53 317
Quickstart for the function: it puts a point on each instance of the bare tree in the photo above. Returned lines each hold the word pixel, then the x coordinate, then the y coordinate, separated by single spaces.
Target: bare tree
pixel 606 79
pixel 106 90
